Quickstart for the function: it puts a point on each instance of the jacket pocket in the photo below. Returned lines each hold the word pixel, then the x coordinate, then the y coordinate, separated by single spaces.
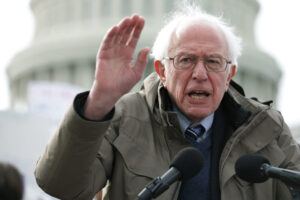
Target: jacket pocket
pixel 139 159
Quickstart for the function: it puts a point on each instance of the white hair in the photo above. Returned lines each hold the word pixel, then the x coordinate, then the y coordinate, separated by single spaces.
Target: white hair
pixel 190 12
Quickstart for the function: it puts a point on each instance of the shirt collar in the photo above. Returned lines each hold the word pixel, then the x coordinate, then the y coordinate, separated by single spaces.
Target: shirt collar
pixel 185 123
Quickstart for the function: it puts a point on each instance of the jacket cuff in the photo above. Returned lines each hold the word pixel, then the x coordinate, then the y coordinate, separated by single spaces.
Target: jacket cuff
pixel 79 102
pixel 80 127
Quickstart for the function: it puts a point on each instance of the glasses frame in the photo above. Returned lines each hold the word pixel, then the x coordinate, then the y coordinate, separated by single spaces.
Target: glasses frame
pixel 207 69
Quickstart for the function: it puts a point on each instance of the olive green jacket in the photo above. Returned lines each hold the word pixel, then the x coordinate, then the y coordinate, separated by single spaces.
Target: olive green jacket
pixel 138 143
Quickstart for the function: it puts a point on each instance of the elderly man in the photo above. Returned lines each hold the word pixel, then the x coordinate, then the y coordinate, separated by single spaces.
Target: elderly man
pixel 109 137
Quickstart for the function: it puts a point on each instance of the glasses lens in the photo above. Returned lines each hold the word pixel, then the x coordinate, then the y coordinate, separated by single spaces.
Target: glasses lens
pixel 184 61
pixel 215 64
pixel 188 61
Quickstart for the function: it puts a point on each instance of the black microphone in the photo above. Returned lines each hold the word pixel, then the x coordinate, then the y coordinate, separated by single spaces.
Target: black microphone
pixel 255 168
pixel 186 164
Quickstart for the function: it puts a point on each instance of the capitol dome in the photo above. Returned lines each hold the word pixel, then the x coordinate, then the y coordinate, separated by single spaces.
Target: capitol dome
pixel 68 34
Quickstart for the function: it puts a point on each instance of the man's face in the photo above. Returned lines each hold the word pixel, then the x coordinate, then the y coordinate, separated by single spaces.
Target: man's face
pixel 196 92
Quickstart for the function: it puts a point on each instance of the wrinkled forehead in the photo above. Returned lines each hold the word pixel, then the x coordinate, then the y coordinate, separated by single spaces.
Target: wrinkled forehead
pixel 198 29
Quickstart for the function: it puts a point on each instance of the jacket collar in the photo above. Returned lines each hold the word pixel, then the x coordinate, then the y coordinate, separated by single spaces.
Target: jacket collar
pixel 239 111
pixel 160 105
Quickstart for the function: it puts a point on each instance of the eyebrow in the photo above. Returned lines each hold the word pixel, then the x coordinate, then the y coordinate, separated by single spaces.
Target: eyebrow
pixel 214 55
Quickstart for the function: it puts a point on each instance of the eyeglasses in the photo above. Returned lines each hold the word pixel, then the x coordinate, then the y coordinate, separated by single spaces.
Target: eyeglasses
pixel 188 61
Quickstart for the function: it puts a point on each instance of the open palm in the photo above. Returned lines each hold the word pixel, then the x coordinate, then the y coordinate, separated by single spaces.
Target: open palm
pixel 116 71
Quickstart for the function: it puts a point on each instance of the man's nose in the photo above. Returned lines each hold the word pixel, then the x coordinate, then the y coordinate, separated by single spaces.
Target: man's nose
pixel 199 71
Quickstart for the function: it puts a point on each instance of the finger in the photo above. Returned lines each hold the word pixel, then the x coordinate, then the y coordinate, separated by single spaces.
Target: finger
pixel 136 32
pixel 123 27
pixel 141 62
pixel 113 34
pixel 109 38
pixel 127 32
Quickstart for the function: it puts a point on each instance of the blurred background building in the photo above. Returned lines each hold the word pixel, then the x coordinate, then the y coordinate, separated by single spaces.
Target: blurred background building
pixel 60 62
pixel 68 34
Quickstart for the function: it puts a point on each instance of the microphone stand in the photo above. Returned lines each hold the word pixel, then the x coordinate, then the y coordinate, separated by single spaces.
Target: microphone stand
pixel 158 185
pixel 153 189
pixel 295 191
pixel 291 180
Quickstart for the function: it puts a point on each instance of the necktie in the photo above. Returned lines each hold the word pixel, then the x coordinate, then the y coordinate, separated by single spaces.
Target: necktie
pixel 194 133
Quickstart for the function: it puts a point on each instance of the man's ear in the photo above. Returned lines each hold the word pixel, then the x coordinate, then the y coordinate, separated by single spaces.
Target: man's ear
pixel 230 75
pixel 160 70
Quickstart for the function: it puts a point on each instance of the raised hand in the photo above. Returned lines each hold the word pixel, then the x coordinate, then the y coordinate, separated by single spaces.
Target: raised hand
pixel 116 73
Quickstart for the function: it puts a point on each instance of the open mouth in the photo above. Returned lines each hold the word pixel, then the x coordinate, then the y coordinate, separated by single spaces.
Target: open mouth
pixel 198 94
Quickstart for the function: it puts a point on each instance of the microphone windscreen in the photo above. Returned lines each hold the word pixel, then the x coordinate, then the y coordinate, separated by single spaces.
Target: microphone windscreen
pixel 248 168
pixel 189 161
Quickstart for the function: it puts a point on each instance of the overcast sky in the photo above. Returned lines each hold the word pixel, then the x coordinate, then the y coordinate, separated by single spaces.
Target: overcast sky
pixel 17 26
pixel 277 33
